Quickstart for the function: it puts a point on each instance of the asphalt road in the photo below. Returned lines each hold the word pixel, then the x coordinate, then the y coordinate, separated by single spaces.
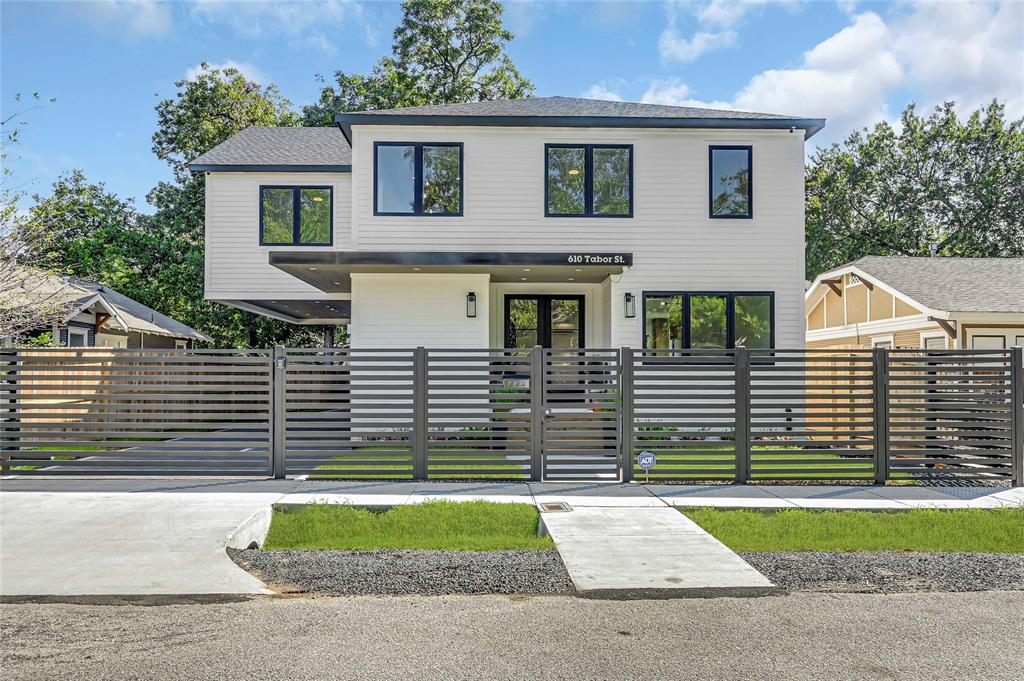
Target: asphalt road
pixel 804 636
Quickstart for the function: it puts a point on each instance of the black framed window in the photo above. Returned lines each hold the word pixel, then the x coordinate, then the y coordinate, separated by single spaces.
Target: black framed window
pixel 296 216
pixel 730 182
pixel 588 180
pixel 680 319
pixel 554 321
pixel 417 178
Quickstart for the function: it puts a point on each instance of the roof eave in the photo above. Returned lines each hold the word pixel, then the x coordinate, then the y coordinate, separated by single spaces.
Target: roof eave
pixel 345 121
pixel 266 168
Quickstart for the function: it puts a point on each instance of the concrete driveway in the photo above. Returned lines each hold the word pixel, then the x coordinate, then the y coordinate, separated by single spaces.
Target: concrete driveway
pixel 166 537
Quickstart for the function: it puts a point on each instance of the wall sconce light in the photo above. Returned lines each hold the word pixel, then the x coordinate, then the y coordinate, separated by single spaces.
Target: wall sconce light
pixel 629 301
pixel 470 304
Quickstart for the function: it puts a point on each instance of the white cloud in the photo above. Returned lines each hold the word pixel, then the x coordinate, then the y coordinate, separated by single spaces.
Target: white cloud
pixel 249 71
pixel 714 19
pixel 674 47
pixel 601 91
pixel 672 92
pixel 969 52
pixel 307 24
pixel 132 18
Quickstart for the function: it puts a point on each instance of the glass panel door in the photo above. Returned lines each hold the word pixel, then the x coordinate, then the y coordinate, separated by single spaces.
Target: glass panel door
pixel 553 321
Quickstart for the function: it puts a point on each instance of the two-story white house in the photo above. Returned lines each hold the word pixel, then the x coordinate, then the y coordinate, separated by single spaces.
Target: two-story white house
pixel 553 221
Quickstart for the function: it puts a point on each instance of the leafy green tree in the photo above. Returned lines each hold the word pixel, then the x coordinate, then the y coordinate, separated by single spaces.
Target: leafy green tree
pixel 939 181
pixel 443 52
pixel 206 111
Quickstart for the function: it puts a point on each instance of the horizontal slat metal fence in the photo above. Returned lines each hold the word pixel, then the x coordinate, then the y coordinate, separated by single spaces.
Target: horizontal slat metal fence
pixel 684 411
pixel 581 414
pixel 812 414
pixel 348 413
pixel 106 411
pixel 951 414
pixel 744 415
pixel 478 414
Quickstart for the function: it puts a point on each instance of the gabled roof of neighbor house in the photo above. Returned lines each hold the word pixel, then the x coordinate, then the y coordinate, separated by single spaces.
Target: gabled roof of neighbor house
pixel 76 295
pixel 947 284
pixel 274 149
pixel 574 112
pixel 136 316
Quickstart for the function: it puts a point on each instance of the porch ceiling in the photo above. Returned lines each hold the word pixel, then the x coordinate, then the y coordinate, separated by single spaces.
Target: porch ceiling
pixel 330 271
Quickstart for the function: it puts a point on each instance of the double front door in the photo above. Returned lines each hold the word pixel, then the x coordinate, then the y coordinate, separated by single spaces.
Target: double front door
pixel 553 321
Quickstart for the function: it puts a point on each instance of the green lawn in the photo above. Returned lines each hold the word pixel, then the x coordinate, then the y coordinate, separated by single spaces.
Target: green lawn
pixel 439 525
pixel 981 530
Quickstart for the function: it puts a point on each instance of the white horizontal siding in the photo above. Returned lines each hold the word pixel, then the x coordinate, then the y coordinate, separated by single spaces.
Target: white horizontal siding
pixel 236 264
pixel 410 310
pixel 675 245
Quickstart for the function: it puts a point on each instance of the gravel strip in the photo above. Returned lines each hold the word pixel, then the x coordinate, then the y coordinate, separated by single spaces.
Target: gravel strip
pixel 394 572
pixel 890 572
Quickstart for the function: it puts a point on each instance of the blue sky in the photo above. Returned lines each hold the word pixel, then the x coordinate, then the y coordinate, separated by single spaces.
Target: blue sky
pixel 854 63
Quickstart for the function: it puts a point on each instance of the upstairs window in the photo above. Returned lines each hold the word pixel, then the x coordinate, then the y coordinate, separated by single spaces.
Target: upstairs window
pixel 588 180
pixel 414 178
pixel 708 320
pixel 730 186
pixel 296 216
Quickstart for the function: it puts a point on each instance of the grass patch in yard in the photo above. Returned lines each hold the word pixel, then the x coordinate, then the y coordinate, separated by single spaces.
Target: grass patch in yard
pixel 981 530
pixel 436 525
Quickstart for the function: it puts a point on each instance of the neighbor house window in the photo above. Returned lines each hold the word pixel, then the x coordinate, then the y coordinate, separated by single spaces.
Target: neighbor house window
pixel 708 320
pixel 417 178
pixel 296 216
pixel 730 171
pixel 77 338
pixel 588 180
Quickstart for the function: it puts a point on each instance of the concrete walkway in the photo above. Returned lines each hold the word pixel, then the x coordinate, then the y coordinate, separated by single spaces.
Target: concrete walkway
pixel 624 549
pixel 74 536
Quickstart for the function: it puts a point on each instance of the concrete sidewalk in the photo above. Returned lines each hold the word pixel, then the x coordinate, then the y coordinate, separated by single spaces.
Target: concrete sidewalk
pixel 74 536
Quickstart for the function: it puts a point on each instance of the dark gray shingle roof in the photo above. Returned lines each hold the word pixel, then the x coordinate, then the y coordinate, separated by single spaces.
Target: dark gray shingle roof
pixel 137 316
pixel 569 106
pixel 953 284
pixel 268 148
pixel 575 111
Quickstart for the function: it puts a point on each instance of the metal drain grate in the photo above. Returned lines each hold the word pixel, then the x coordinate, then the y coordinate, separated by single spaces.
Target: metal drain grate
pixel 555 507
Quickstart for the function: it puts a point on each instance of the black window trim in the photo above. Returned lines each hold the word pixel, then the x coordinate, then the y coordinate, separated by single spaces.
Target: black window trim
pixel 711 180
pixel 730 313
pixel 417 169
pixel 296 214
pixel 588 180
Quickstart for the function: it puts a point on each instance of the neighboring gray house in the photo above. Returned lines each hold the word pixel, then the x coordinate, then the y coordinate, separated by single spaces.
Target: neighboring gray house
pixel 95 315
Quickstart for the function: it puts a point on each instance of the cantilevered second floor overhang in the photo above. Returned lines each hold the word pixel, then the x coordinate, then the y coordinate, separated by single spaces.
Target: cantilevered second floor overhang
pixel 330 271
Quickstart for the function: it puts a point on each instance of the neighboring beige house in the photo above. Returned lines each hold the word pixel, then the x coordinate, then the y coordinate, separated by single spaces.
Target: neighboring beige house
pixel 934 303
pixel 97 316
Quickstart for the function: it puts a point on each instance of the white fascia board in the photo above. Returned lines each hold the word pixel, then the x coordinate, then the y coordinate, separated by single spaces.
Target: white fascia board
pixel 871 328
pixel 852 269
pixel 989 318
pixel 98 301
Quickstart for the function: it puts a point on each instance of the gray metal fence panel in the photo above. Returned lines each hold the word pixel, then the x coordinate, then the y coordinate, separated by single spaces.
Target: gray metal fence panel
pixel 349 413
pixel 951 414
pixel 812 414
pixel 581 414
pixel 478 406
pixel 684 411
pixel 106 411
